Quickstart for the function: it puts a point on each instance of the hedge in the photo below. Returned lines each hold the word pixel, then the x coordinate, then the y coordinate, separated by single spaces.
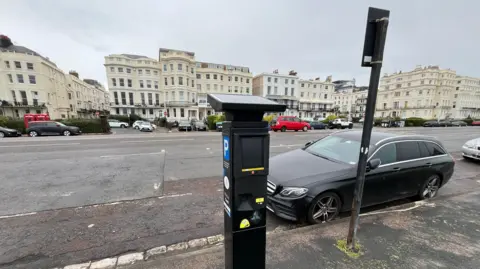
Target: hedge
pixel 85 125
pixel 213 119
pixel 414 122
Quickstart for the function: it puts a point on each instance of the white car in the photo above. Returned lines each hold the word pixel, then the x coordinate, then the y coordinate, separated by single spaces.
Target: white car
pixel 136 124
pixel 145 126
pixel 340 124
pixel 117 124
pixel 471 149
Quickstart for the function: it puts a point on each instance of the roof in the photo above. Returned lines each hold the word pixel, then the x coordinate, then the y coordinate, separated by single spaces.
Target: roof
pixel 24 50
pixel 134 56
pixel 379 136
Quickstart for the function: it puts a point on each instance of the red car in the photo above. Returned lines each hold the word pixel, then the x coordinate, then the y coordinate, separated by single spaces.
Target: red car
pixel 476 123
pixel 284 123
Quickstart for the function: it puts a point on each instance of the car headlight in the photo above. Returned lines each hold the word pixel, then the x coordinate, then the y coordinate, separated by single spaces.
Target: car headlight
pixel 293 192
pixel 469 145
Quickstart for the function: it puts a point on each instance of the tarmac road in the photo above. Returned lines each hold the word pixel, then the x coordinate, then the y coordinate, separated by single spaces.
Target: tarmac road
pixel 54 204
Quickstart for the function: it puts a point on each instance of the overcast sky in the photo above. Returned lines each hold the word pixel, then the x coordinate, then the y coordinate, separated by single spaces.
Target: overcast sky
pixel 315 38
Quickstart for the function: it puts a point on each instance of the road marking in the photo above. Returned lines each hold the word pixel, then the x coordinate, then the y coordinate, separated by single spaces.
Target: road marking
pixel 175 195
pixel 40 145
pixel 415 205
pixel 158 140
pixel 18 215
pixel 132 154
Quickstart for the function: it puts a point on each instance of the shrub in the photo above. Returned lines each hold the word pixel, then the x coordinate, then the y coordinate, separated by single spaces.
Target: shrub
pixel 468 121
pixel 3 120
pixel 414 121
pixel 356 119
pixel 15 124
pixel 269 118
pixel 377 121
pixel 85 125
pixel 213 119
pixel 329 118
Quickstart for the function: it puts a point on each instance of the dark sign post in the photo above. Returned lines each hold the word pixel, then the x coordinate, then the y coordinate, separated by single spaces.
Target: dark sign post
pixel 245 168
pixel 375 35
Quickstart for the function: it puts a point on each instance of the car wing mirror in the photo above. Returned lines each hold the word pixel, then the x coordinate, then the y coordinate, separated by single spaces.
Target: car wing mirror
pixel 308 143
pixel 373 164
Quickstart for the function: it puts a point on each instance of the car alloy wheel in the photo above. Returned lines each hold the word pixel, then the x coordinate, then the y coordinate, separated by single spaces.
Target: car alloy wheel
pixel 66 133
pixel 324 208
pixel 305 128
pixel 284 129
pixel 2 135
pixel 430 188
pixel 33 134
pixel 312 128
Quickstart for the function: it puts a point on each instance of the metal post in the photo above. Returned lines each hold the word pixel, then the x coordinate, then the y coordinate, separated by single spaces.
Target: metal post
pixel 377 58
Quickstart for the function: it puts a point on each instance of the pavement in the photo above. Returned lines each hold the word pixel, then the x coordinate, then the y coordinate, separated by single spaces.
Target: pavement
pixel 440 233
pixel 68 200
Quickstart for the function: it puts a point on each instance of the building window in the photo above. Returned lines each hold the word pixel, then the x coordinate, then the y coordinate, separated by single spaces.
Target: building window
pixel 140 71
pixel 147 71
pixel 122 82
pixel 157 99
pixel 129 83
pixel 150 111
pixel 129 70
pixel 149 84
pixel 188 81
pixel 292 92
pixel 20 78
pixel 117 111
pixel 301 94
pixel 269 90
pixel 221 77
pixel 141 83
pixel 193 83
pixel 207 76
pixel 155 72
pixel 112 69
pixel 180 95
pixel 114 82
pixel 142 97
pixel 302 85
pixel 144 111
pixel 164 67
pixel 23 95
pixel 182 112
pixel 292 82
pixel 150 98
pixel 397 93
pixel 32 79
pixel 269 79
pixel 230 88
pixel 180 80
pixel 179 67
pixel 399 86
pixel 18 64
pixel 236 88
pixel 286 91
pixel 275 90
pixel 155 84
pixel 173 81
pixel 422 82
pixel 247 89
pixel 29 66
pixel 215 76
pixel 199 76
pixel 171 67
pixel 124 98
pixel 325 96
pixel 420 92
pixel 208 87
pixel 7 64
pixel 130 98
pixel 326 87
pixel 120 70
pixel 407 93
pixel 10 78
pixel 236 79
pixel 69 96
pixel 166 81
pixel 229 78
pixel 199 87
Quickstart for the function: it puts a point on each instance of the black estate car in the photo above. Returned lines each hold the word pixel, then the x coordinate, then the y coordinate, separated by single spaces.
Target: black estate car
pixel 316 182
pixel 37 128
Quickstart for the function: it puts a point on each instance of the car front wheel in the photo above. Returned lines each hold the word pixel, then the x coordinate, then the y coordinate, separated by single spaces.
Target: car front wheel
pixel 33 133
pixel 430 187
pixel 2 135
pixel 305 128
pixel 123 126
pixel 66 133
pixel 325 207
pixel 284 129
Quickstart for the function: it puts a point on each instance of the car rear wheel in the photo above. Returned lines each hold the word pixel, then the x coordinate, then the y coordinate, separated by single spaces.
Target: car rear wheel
pixel 430 187
pixel 284 129
pixel 305 128
pixel 2 135
pixel 325 207
pixel 66 133
pixel 123 126
pixel 350 126
pixel 33 133
pixel 136 127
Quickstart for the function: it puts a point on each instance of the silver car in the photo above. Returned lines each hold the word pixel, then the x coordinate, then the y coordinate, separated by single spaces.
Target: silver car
pixel 471 149
pixel 145 127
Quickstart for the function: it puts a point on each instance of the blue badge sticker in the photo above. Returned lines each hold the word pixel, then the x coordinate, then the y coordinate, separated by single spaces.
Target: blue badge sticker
pixel 226 148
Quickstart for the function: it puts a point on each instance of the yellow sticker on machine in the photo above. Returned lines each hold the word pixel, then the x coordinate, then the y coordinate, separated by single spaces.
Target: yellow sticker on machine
pixel 244 224
pixel 260 200
pixel 253 169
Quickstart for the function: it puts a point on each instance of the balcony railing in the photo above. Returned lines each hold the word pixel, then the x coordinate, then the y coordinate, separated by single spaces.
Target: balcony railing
pixel 25 104
pixel 180 103
pixel 316 109
pixel 281 97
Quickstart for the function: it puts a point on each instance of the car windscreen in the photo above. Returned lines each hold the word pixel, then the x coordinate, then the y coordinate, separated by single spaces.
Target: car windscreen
pixel 182 122
pixel 336 148
pixel 59 123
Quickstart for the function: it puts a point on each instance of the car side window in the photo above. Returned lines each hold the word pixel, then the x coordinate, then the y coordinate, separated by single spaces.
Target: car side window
pixel 387 154
pixel 296 119
pixel 434 149
pixel 51 124
pixel 407 150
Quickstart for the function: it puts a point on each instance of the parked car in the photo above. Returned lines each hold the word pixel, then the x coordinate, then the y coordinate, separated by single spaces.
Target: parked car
pixel 184 125
pixel 471 149
pixel 431 123
pixel 117 124
pixel 38 128
pixel 340 124
pixel 136 124
pixel 219 126
pixel 475 123
pixel 284 123
pixel 7 132
pixel 198 125
pixel 317 125
pixel 445 123
pixel 316 182
pixel 459 123
pixel 145 126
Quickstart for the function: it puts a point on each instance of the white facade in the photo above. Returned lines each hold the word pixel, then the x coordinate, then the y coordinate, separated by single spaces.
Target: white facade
pixel 466 99
pixel 31 83
pixel 426 92
pixel 280 88
pixel 351 101
pixel 134 85
pixel 316 98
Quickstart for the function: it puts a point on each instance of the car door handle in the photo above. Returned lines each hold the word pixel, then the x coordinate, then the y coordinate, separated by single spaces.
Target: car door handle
pixel 428 164
pixel 396 169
